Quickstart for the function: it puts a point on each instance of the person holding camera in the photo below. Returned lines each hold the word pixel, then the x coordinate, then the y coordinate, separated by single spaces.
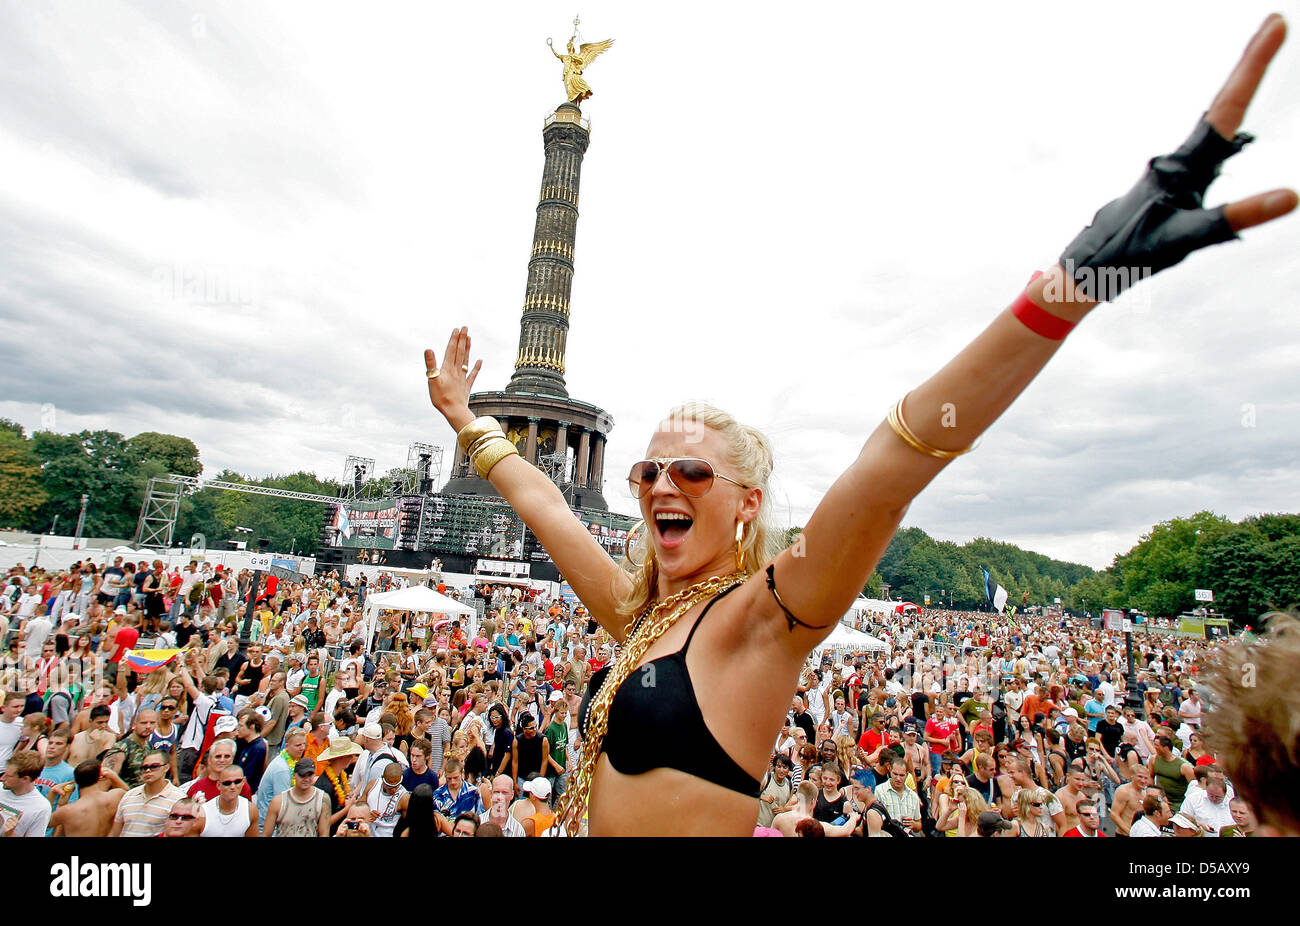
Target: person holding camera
pixel 356 823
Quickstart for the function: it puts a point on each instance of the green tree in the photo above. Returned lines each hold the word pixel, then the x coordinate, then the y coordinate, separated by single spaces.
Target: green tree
pixel 21 493
pixel 1282 573
pixel 1094 593
pixel 1236 567
pixel 177 455
pixel 285 523
pixel 1158 574
pixel 99 464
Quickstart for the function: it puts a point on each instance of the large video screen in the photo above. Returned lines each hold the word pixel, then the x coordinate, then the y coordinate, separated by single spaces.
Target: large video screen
pixel 371 525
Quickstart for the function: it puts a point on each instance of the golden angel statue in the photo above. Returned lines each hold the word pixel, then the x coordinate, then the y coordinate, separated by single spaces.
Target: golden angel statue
pixel 574 63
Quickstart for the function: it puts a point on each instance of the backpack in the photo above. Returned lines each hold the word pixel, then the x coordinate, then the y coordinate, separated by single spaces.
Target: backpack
pixel 889 824
pixel 368 668
pixel 58 694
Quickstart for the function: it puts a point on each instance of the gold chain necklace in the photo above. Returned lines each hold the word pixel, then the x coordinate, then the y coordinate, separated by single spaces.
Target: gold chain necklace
pixel 652 625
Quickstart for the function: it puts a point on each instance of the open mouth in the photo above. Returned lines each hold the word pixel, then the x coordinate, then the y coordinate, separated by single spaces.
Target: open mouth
pixel 672 527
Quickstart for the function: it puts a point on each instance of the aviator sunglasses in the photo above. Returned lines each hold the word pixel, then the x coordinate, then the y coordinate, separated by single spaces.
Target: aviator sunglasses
pixel 692 477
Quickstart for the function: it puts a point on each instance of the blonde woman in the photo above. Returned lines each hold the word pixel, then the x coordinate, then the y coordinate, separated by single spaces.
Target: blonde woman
pixel 950 802
pixel 968 813
pixel 1032 813
pixel 846 755
pixel 459 748
pixel 153 688
pixel 707 602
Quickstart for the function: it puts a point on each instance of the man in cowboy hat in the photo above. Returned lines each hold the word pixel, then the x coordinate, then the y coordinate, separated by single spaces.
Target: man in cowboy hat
pixel 333 764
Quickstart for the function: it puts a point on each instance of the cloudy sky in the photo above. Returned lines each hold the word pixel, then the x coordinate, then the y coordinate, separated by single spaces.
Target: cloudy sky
pixel 242 222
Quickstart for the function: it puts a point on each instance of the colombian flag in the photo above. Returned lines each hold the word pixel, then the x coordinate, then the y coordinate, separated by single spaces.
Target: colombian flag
pixel 146 660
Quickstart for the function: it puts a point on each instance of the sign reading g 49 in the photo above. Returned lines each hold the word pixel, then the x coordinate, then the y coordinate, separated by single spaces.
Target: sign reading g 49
pixel 1204 594
pixel 259 561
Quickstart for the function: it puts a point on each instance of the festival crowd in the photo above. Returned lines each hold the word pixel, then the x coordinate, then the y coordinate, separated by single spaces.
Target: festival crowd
pixel 130 710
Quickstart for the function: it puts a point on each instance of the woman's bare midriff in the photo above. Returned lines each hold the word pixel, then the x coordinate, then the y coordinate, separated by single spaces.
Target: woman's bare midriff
pixel 666 802
pixel 669 802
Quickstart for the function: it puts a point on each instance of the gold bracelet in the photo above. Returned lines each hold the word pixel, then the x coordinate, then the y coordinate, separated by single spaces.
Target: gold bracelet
pixel 476 429
pixel 492 454
pixel 483 442
pixel 905 433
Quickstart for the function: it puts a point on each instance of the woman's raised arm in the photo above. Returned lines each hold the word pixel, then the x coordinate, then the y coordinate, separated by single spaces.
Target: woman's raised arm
pixel 595 577
pixel 1158 223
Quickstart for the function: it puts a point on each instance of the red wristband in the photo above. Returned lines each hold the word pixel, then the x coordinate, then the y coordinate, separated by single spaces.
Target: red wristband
pixel 1039 320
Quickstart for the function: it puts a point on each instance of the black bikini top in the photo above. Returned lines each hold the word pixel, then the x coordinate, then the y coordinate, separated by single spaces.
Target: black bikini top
pixel 656 708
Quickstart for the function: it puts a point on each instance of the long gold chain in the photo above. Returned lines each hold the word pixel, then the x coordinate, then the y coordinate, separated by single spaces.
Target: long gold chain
pixel 652 625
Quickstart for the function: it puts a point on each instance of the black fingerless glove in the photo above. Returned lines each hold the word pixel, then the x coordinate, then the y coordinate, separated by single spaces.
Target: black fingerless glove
pixel 1158 222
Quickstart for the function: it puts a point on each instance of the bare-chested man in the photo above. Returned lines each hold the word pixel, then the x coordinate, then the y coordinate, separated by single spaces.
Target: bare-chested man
pixel 1076 784
pixel 1022 778
pixel 805 802
pixel 917 757
pixel 1128 800
pixel 82 721
pixel 91 814
pixel 95 739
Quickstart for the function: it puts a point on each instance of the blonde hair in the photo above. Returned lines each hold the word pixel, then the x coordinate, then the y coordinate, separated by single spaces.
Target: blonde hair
pixel 156 683
pixel 1026 797
pixel 975 805
pixel 749 459
pixel 1255 725
pixel 845 747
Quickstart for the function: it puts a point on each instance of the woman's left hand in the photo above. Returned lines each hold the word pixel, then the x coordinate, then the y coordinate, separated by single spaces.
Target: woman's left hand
pixel 1162 219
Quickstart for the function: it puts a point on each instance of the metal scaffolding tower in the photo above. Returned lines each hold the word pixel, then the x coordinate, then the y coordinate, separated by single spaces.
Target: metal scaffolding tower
pixel 424 464
pixel 162 503
pixel 556 468
pixel 356 470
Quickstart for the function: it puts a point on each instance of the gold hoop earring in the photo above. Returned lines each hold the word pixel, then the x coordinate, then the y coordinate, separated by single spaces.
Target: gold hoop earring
pixel 627 544
pixel 740 553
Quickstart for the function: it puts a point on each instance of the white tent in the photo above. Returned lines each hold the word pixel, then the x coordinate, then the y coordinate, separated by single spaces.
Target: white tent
pixel 418 598
pixel 865 606
pixel 845 639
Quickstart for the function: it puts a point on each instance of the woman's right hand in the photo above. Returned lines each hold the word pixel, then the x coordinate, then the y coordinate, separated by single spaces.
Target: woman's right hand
pixel 449 390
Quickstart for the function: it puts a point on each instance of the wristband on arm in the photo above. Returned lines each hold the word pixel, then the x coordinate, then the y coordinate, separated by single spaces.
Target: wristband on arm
pixel 1039 320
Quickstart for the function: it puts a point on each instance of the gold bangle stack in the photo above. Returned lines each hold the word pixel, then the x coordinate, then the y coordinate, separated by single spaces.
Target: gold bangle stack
pixel 476 429
pixel 905 433
pixel 492 453
pixel 485 444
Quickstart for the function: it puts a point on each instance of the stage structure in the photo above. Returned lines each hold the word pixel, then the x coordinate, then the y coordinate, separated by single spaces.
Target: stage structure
pixel 468 523
pixel 162 503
